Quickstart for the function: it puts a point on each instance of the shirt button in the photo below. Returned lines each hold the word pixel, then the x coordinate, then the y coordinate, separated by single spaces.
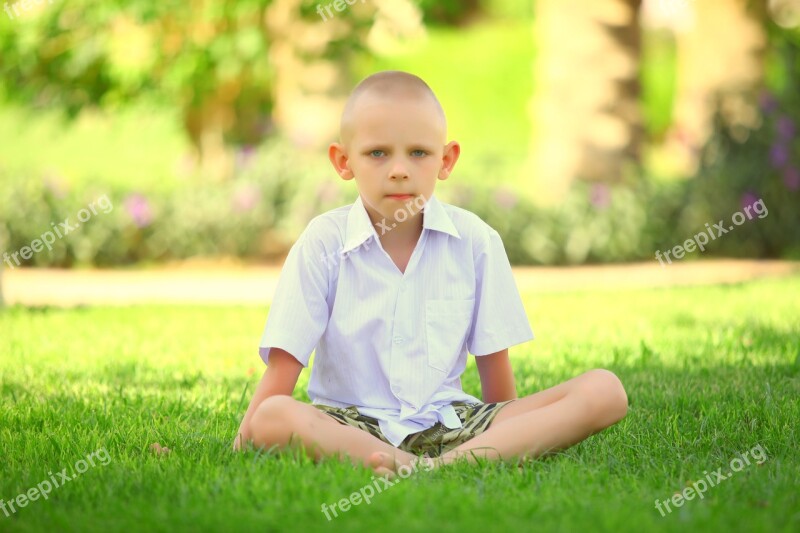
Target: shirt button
pixel 398 339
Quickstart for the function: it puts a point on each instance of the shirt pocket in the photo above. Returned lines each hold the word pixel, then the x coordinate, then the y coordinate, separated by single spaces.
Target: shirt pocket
pixel 447 324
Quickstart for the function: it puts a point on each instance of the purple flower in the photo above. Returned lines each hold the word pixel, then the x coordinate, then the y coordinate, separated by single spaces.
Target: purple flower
pixel 785 128
pixel 244 157
pixel 778 155
pixel 767 102
pixel 245 198
pixel 600 195
pixel 505 199
pixel 138 208
pixel 749 198
pixel 791 178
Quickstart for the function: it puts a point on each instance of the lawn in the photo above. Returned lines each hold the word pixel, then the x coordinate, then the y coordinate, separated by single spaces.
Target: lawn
pixel 711 373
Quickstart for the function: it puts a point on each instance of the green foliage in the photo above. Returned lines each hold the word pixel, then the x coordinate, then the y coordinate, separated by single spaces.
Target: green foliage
pixel 595 223
pixel 246 216
pixel 449 12
pixel 461 12
pixel 741 166
pixel 262 211
pixel 74 54
pixel 209 58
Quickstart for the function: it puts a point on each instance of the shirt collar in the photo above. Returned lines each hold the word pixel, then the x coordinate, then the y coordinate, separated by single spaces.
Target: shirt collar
pixel 360 228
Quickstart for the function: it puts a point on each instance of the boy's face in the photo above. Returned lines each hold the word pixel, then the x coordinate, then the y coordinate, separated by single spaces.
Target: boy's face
pixel 394 147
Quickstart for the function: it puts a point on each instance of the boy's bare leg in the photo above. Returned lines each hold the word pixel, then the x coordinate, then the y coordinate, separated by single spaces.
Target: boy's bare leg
pixel 550 420
pixel 279 418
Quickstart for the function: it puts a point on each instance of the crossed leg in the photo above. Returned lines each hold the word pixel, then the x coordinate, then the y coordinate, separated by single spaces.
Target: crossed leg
pixel 549 420
pixel 287 423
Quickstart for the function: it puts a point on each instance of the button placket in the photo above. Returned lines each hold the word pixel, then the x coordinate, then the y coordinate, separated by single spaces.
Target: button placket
pixel 402 332
pixel 400 338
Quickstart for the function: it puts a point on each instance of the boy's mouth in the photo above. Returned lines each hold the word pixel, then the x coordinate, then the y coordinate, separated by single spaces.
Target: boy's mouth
pixel 400 196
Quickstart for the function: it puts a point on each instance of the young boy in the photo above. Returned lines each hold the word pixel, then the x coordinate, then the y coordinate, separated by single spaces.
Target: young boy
pixel 392 291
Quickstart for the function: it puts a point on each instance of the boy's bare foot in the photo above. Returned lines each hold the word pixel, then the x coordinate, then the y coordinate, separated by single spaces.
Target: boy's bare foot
pixel 157 449
pixel 382 464
pixel 386 465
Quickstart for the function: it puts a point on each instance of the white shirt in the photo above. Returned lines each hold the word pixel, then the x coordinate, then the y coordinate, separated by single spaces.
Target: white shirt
pixel 395 344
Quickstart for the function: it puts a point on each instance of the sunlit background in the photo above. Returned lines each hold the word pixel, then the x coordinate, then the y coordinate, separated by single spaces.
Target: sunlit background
pixel 169 153
pixel 592 130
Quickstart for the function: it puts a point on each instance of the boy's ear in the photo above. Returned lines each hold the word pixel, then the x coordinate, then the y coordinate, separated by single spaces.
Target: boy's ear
pixel 451 152
pixel 338 156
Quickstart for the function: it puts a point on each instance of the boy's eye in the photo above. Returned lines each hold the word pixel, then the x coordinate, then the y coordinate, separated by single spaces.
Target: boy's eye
pixel 420 152
pixel 376 153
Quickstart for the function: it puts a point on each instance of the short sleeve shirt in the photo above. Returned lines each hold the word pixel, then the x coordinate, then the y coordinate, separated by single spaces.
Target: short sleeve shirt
pixel 394 344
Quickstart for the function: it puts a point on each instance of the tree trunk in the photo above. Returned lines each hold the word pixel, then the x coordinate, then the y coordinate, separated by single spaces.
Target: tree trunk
pixel 720 62
pixel 311 83
pixel 585 110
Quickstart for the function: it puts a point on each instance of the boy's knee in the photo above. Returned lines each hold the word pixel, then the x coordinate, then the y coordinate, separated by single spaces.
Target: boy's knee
pixel 270 423
pixel 606 395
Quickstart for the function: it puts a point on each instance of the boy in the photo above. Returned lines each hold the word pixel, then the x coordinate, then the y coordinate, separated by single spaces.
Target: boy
pixel 393 291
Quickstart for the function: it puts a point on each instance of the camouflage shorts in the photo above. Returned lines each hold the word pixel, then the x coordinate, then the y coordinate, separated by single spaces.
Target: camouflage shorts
pixel 436 440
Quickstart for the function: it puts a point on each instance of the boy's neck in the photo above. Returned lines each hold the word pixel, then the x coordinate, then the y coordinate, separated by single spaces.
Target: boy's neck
pixel 404 235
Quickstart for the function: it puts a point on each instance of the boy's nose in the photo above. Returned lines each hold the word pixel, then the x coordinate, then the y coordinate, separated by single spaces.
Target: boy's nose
pixel 398 171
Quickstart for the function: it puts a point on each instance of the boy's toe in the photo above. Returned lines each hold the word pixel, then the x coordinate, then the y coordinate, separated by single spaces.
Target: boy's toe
pixel 383 464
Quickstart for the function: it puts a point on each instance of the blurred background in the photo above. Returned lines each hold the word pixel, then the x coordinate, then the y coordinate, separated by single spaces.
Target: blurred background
pixel 593 131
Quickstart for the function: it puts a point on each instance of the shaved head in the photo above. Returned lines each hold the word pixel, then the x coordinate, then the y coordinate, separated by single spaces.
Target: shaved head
pixel 388 86
pixel 393 143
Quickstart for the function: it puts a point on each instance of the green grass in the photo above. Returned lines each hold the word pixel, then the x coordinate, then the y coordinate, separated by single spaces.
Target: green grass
pixel 710 373
pixel 659 79
pixel 134 149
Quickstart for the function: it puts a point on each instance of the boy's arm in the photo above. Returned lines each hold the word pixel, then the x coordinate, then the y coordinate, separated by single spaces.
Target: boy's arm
pixel 497 377
pixel 280 378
